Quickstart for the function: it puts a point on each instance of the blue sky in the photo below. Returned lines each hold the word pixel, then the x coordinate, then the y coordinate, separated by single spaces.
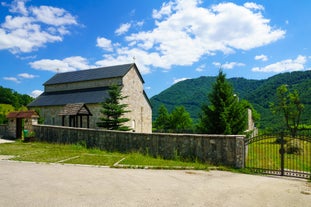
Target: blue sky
pixel 168 40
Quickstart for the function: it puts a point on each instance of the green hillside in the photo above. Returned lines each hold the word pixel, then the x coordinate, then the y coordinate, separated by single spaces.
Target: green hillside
pixel 9 96
pixel 192 93
pixel 10 100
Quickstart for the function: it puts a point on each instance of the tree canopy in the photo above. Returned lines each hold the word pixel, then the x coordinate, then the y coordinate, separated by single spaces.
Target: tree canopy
pixel 10 100
pixel 177 121
pixel 288 105
pixel 8 96
pixel 225 114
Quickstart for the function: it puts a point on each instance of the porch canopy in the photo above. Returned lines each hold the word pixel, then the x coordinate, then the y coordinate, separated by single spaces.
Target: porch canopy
pixel 76 112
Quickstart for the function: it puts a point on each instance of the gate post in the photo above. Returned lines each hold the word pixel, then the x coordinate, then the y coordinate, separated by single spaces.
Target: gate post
pixel 240 152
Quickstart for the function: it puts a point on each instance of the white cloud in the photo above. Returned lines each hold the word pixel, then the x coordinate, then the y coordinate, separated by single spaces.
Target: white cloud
pixel 227 65
pixel 53 16
pixel 125 55
pixel 165 10
pixel 68 64
pixel 200 68
pixel 19 7
pixel 12 79
pixel 33 27
pixel 261 57
pixel 20 77
pixel 27 75
pixel 123 29
pixel 140 23
pixel 179 79
pixel 36 93
pixel 284 65
pixel 252 5
pixel 184 31
pixel 104 43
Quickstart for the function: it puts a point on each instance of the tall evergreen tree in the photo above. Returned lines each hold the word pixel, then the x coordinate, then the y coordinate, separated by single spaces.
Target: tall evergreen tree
pixel 162 121
pixel 225 114
pixel 113 111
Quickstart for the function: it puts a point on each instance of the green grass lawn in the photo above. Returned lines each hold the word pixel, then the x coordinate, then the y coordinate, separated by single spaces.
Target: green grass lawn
pixel 77 154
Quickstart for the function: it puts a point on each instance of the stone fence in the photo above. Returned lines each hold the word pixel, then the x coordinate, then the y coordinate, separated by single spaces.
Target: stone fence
pixel 3 129
pixel 225 150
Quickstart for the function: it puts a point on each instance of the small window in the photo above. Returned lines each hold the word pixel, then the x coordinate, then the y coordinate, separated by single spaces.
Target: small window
pixel 133 125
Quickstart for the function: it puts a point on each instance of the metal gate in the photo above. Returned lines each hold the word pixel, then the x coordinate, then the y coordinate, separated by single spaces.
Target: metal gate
pixel 280 154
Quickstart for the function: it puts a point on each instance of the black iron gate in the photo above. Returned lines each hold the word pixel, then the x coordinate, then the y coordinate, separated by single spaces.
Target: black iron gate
pixel 279 154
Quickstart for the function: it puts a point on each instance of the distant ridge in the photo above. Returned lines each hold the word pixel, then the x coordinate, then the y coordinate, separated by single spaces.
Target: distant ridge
pixel 192 93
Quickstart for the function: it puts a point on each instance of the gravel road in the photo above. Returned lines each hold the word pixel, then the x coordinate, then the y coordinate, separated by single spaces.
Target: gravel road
pixel 31 184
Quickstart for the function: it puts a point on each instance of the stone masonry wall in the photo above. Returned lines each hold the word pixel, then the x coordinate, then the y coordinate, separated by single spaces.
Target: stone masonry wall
pixel 3 129
pixel 50 115
pixel 140 111
pixel 226 150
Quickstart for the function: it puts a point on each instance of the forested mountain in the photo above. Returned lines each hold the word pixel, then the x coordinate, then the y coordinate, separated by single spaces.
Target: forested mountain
pixel 9 96
pixel 192 93
pixel 10 101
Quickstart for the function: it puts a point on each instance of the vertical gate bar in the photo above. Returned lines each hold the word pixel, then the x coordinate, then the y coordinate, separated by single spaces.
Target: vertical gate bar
pixel 268 152
pixel 282 154
pixel 263 164
pixel 305 159
pixel 294 161
pixel 309 155
pixel 260 153
pixel 301 156
pixel 298 157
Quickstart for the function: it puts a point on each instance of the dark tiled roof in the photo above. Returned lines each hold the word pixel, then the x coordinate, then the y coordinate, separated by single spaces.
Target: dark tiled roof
pixel 75 109
pixel 91 95
pixel 91 74
pixel 22 114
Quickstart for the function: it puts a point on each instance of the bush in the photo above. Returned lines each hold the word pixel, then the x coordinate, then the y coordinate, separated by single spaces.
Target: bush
pixel 293 147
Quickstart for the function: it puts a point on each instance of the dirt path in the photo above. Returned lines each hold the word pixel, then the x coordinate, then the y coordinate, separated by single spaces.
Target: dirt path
pixel 5 140
pixel 30 184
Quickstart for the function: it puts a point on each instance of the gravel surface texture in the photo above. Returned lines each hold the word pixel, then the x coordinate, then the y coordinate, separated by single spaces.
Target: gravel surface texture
pixel 33 184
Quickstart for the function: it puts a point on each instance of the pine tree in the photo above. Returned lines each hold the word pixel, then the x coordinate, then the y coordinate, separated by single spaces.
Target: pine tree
pixel 113 111
pixel 226 114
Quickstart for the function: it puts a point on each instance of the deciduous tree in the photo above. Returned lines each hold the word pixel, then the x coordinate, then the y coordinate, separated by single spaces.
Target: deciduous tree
pixel 288 105
pixel 180 120
pixel 177 121
pixel 161 123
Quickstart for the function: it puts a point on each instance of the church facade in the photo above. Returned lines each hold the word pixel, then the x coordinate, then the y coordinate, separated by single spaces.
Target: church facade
pixel 89 88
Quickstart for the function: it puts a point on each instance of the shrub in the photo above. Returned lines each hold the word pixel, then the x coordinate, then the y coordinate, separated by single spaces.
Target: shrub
pixel 293 147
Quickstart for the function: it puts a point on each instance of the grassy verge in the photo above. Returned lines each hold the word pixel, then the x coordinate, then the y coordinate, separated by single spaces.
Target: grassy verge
pixel 136 160
pixel 77 154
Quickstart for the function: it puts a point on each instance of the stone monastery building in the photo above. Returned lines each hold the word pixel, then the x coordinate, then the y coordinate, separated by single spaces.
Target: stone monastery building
pixel 74 98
